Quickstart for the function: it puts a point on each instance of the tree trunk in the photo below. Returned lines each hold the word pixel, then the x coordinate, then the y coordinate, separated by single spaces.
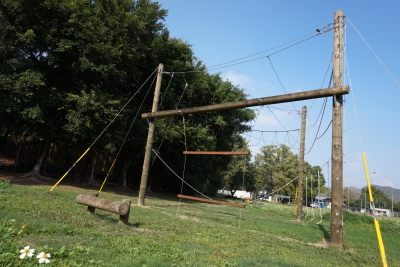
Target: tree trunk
pixel 91 177
pixel 123 175
pixel 36 169
pixel 90 165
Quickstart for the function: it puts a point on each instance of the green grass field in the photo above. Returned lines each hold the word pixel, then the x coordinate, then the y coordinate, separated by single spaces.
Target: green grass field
pixel 169 233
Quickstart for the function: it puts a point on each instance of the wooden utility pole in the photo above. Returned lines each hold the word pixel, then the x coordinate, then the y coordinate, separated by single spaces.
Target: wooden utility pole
pixel 336 234
pixel 301 164
pixel 150 135
pixel 340 90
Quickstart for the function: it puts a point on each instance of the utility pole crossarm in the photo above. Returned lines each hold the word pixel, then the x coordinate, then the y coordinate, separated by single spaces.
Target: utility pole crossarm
pixel 320 93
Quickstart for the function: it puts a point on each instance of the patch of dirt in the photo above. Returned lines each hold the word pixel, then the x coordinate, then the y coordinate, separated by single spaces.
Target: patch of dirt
pixel 196 219
pixel 323 244
pixel 143 230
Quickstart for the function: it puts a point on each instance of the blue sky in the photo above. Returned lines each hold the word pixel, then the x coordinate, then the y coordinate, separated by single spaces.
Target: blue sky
pixel 221 31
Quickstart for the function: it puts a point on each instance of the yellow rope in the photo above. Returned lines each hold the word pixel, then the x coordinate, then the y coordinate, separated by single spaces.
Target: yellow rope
pixel 109 171
pixel 69 169
pixel 376 223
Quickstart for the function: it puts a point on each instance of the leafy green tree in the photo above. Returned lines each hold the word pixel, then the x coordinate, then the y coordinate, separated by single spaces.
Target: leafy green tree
pixel 236 174
pixel 213 131
pixel 396 206
pixel 349 197
pixel 381 200
pixel 68 65
pixel 276 166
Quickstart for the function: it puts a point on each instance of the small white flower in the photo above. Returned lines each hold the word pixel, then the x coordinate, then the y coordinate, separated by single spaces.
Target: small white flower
pixel 26 251
pixel 43 257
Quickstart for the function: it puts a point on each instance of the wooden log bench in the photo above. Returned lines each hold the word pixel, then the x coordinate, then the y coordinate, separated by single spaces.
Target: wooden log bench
pixel 119 207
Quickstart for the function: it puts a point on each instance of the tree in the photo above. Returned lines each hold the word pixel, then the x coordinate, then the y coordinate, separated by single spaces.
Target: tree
pixel 234 174
pixel 396 206
pixel 67 66
pixel 381 200
pixel 276 168
pixel 64 76
pixel 349 197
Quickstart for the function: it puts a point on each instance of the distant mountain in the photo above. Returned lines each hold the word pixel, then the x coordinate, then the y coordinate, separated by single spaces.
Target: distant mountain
pixel 388 191
pixel 356 192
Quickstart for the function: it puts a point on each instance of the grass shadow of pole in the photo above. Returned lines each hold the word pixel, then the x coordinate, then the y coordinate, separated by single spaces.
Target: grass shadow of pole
pixel 324 231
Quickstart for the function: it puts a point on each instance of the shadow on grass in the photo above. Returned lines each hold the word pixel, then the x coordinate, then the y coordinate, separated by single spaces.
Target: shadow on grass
pixel 107 217
pixel 324 231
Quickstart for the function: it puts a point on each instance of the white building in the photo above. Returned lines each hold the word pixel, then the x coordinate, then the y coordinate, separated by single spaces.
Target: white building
pixel 238 194
pixel 383 212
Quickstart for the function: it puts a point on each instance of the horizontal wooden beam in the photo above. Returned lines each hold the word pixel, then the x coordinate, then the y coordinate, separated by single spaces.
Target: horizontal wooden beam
pixel 340 90
pixel 212 201
pixel 215 153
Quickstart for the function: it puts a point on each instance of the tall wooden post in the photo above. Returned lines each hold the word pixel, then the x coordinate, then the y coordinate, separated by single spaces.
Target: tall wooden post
pixel 336 234
pixel 149 144
pixel 301 164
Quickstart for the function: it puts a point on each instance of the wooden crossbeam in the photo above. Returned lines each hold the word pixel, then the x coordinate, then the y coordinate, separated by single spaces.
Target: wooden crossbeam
pixel 215 152
pixel 320 93
pixel 212 201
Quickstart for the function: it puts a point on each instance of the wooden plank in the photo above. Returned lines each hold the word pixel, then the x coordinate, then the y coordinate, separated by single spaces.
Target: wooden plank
pixel 215 153
pixel 212 201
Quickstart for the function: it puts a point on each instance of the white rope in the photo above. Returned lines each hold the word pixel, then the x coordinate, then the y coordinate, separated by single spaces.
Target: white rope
pixel 373 52
pixel 283 186
pixel 179 176
pixel 354 101
pixel 312 203
pixel 184 165
pixel 306 199
pixel 319 204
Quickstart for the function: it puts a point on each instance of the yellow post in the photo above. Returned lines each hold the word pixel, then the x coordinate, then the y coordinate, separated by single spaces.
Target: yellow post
pixel 376 223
